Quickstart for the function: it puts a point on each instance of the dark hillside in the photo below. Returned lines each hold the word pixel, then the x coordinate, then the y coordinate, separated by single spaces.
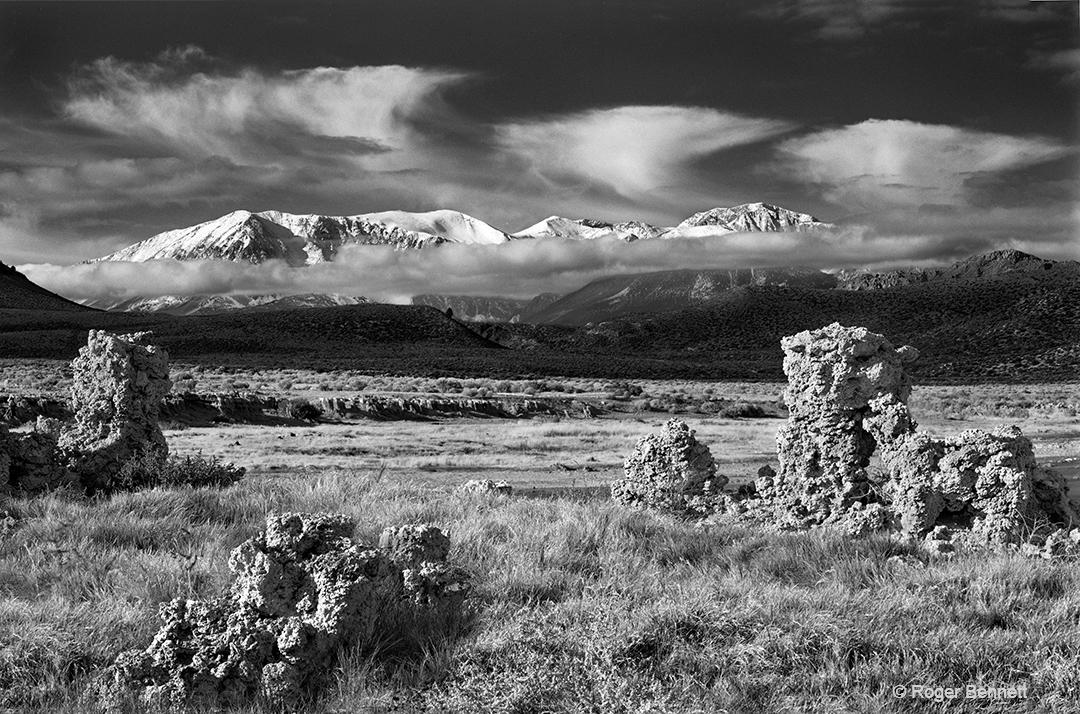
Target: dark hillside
pixel 18 293
pixel 1015 327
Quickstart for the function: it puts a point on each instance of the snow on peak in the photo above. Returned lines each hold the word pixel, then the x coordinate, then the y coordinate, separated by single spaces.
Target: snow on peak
pixel 753 217
pixel 587 229
pixel 305 239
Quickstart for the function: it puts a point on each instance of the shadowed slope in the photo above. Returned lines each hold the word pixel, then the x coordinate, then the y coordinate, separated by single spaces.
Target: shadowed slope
pixel 17 292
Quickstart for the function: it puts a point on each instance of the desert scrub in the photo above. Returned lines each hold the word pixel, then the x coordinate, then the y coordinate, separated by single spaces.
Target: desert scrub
pixel 581 605
pixel 152 469
pixel 299 409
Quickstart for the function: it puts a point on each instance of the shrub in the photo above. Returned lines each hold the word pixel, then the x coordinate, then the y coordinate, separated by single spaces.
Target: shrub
pixel 743 410
pixel 300 409
pixel 153 468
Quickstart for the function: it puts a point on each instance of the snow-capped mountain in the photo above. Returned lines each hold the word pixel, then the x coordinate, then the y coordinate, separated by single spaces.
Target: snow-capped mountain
pixel 746 218
pixel 302 239
pixel 207 304
pixel 754 217
pixel 587 229
pixel 243 236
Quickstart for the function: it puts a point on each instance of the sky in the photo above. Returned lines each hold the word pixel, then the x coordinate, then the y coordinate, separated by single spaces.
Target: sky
pixel 925 130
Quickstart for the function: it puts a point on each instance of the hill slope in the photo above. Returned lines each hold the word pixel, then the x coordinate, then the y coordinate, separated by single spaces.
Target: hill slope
pixel 608 298
pixel 994 264
pixel 1004 328
pixel 17 292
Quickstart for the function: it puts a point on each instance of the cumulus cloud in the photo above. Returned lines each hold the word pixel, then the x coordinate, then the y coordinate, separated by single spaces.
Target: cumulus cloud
pixel 634 150
pixel 884 163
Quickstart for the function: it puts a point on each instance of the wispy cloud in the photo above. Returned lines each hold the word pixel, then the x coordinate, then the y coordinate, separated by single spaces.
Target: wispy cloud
pixel 848 20
pixel 250 116
pixel 1065 62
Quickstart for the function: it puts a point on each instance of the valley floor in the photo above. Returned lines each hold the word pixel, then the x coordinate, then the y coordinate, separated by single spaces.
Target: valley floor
pixel 546 454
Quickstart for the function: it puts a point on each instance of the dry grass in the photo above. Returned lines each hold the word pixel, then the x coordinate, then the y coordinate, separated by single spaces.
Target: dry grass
pixel 580 605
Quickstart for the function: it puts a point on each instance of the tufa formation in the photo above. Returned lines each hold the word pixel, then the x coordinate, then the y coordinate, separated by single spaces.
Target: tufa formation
pixel 303 590
pixel 118 384
pixel 824 450
pixel 671 471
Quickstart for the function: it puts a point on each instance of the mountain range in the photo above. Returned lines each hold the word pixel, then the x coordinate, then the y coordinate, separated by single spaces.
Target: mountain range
pixel 300 240
pixel 210 304
pixel 306 239
pixel 745 218
pixel 244 236
pixel 1003 317
pixel 303 240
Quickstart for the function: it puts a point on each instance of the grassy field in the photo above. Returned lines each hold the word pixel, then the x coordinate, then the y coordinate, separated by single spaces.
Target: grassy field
pixel 581 605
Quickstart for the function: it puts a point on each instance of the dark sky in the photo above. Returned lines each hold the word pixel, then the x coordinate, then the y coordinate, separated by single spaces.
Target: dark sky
pixel 945 127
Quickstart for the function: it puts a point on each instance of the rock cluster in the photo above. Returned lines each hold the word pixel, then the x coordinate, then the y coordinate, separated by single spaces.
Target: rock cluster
pixel 670 471
pixel 117 388
pixel 847 400
pixel 303 590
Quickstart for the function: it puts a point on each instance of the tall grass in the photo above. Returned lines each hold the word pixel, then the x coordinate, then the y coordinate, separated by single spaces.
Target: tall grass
pixel 580 605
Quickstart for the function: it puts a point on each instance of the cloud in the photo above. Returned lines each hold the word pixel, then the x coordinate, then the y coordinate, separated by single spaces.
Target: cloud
pixel 883 163
pixel 849 20
pixel 843 19
pixel 142 147
pixel 250 116
pixel 636 151
pixel 518 269
pixel 1066 62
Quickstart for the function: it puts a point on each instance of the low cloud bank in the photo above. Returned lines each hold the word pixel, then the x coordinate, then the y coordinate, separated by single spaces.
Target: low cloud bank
pixel 517 269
